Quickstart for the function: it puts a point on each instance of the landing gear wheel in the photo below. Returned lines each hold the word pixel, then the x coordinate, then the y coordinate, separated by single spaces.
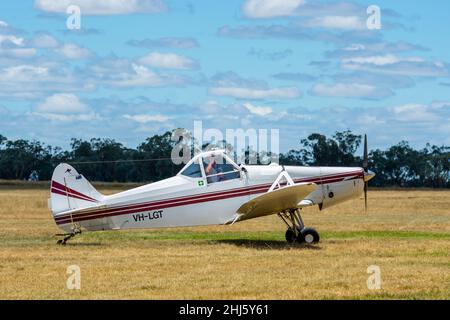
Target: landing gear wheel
pixel 290 235
pixel 310 235
pixel 300 238
pixel 61 242
pixel 296 228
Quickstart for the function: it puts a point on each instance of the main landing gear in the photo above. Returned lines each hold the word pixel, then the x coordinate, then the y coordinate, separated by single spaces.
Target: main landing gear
pixel 296 228
pixel 67 236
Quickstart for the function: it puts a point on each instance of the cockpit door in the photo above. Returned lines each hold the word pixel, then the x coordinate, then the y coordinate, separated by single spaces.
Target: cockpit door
pixel 220 169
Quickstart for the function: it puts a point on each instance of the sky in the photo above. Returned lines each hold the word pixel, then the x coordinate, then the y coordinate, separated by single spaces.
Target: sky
pixel 135 68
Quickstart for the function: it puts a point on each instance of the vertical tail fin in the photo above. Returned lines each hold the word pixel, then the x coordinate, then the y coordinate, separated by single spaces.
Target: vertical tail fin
pixel 69 190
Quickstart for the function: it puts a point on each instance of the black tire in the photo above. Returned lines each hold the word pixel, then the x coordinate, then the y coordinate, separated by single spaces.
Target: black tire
pixel 290 235
pixel 300 238
pixel 310 235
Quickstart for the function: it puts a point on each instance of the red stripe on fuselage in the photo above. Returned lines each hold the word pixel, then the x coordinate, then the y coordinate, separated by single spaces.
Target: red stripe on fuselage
pixel 168 203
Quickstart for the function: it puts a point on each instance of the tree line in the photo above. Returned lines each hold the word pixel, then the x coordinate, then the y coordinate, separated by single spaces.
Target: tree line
pixel 108 160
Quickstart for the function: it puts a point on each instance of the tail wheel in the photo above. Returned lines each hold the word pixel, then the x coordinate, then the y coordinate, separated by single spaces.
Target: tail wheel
pixel 310 235
pixel 290 235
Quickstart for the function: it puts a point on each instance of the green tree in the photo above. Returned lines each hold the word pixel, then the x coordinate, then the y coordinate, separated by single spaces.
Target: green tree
pixel 154 148
pixel 322 151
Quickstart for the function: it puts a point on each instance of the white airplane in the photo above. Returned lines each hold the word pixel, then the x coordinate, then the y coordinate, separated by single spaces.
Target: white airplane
pixel 211 189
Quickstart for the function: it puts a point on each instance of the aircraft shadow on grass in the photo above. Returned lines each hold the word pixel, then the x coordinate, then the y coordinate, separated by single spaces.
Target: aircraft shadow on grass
pixel 86 244
pixel 267 244
pixel 246 243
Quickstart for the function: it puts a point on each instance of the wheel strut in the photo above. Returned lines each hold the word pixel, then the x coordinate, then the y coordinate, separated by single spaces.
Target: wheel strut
pixel 296 227
pixel 67 236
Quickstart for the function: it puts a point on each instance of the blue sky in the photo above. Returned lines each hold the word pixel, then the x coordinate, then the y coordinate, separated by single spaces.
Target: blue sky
pixel 141 67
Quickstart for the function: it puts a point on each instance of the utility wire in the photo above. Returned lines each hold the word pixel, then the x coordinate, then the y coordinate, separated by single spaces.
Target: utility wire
pixel 115 161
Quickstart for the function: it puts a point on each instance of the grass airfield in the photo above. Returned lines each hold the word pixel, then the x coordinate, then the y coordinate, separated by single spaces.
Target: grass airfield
pixel 405 233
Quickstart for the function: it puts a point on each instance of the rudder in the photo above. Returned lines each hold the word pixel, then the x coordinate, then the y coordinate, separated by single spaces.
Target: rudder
pixel 70 190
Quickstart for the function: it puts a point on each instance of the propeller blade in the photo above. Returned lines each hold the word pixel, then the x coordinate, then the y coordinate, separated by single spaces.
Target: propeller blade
pixel 366 185
pixel 366 170
pixel 365 155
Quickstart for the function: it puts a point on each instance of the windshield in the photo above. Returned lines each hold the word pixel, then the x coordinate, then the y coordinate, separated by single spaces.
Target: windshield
pixel 192 170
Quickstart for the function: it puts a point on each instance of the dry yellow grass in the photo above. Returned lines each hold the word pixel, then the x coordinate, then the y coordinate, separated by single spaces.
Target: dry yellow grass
pixel 405 233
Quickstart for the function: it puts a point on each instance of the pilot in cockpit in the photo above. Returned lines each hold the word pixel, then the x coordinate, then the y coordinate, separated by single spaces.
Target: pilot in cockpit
pixel 212 170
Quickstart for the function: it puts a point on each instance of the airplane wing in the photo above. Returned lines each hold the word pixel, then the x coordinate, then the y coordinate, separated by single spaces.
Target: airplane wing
pixel 276 201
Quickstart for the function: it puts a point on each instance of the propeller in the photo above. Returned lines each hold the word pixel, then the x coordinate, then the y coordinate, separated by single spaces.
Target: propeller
pixel 366 171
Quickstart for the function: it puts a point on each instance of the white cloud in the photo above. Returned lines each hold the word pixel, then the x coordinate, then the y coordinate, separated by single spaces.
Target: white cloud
pixel 18 53
pixel 12 46
pixel 67 117
pixel 3 24
pixel 103 7
pixel 270 8
pixel 22 73
pixel 211 107
pixel 249 93
pixel 381 60
pixel 72 51
pixel 348 90
pixel 167 60
pixel 260 111
pixel 64 107
pixel 26 81
pixel 165 42
pixel 355 47
pixel 18 41
pixel 337 22
pixel 369 120
pixel 436 105
pixel 44 40
pixel 414 113
pixel 392 65
pixel 62 103
pixel 145 118
pixel 122 73
pixel 140 76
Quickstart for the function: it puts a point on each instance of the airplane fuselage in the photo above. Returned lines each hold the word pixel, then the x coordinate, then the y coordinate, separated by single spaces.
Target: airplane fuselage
pixel 191 201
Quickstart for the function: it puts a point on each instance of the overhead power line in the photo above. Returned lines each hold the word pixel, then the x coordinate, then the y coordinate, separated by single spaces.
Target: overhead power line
pixel 116 161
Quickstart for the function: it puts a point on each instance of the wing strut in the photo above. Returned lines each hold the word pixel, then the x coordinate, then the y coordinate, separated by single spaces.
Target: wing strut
pixel 277 184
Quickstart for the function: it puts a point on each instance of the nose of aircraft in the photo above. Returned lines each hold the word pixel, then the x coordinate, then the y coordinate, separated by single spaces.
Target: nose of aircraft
pixel 369 175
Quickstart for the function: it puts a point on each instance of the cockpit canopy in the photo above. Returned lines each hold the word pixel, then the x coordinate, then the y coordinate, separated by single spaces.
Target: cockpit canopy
pixel 214 166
